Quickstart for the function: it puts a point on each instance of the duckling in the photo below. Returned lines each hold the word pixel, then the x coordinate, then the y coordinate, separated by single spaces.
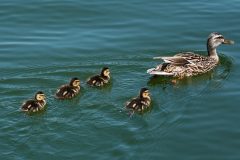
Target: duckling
pixel 70 90
pixel 37 104
pixel 188 64
pixel 140 103
pixel 100 80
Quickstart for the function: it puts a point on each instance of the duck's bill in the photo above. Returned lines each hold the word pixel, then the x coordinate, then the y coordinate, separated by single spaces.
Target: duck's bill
pixel 227 41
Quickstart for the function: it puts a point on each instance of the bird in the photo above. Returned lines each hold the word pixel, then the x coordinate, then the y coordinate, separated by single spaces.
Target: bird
pixel 100 80
pixel 141 102
pixel 69 91
pixel 36 104
pixel 187 64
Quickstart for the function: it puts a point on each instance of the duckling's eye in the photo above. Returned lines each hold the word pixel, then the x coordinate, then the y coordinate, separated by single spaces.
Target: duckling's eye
pixel 145 94
pixel 40 97
pixel 76 82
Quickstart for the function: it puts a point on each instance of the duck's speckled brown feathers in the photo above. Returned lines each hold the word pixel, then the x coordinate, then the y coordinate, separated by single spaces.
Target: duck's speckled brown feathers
pixel 187 64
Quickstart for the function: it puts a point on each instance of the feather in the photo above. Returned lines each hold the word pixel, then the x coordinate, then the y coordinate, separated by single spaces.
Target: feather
pixel 64 93
pixel 160 73
pixel 150 70
pixel 176 60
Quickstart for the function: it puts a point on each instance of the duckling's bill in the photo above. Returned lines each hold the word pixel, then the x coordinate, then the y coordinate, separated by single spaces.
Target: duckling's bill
pixel 227 41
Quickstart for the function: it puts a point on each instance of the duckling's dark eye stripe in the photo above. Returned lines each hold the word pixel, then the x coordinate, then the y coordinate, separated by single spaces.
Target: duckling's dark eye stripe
pixel 220 37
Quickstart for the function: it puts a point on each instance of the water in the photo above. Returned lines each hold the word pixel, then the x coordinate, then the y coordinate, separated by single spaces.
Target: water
pixel 44 44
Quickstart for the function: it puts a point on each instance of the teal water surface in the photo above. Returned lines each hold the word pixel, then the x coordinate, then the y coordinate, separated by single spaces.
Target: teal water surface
pixel 43 44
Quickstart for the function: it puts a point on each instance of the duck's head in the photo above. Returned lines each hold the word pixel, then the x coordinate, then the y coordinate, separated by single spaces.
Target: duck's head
pixel 75 82
pixel 144 93
pixel 105 72
pixel 214 40
pixel 40 96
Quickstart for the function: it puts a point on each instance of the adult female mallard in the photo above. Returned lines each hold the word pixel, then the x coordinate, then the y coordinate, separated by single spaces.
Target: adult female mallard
pixel 140 103
pixel 37 104
pixel 100 80
pixel 70 90
pixel 188 63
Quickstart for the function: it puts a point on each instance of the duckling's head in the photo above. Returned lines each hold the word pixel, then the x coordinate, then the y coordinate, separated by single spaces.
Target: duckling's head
pixel 75 82
pixel 105 72
pixel 40 96
pixel 144 93
pixel 214 40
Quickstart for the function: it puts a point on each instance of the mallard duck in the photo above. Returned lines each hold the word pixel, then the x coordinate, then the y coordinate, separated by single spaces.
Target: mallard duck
pixel 188 64
pixel 140 103
pixel 100 80
pixel 37 104
pixel 70 90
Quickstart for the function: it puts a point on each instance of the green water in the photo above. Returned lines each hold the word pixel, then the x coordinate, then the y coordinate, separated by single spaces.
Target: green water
pixel 44 44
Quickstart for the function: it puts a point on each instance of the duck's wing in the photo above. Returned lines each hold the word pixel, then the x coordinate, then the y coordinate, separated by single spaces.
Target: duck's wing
pixel 179 59
pixel 182 58
pixel 175 60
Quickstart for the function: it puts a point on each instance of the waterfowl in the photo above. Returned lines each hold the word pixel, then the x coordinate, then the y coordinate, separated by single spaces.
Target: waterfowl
pixel 188 64
pixel 37 104
pixel 70 90
pixel 140 103
pixel 100 80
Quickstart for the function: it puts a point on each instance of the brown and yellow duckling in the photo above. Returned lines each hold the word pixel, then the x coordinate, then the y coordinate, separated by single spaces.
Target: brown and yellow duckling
pixel 188 64
pixel 140 103
pixel 35 105
pixel 100 80
pixel 70 90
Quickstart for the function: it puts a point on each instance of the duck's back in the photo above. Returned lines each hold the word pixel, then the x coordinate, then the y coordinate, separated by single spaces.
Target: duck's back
pixel 95 81
pixel 30 105
pixel 196 64
pixel 67 91
pixel 138 104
